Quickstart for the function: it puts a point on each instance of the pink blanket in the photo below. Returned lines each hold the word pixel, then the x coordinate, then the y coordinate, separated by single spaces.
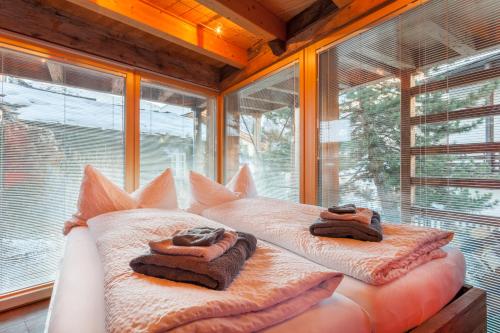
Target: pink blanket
pixel 286 224
pixel 273 286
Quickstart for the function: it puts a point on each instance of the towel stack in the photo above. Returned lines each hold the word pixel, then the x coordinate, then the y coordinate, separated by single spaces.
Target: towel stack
pixel 210 257
pixel 347 221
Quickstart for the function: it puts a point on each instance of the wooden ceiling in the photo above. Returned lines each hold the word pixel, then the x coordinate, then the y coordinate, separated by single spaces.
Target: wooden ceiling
pixel 214 43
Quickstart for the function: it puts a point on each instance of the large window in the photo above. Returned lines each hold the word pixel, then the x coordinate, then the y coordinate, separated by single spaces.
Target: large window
pixel 54 119
pixel 262 129
pixel 178 132
pixel 410 125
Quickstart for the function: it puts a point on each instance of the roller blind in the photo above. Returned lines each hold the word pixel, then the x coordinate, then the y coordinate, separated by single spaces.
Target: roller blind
pixel 410 125
pixel 178 132
pixel 262 129
pixel 54 119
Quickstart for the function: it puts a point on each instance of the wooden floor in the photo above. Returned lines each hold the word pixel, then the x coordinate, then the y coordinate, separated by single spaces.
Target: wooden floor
pixel 27 319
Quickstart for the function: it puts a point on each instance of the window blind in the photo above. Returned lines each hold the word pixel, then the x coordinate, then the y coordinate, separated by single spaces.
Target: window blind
pixel 54 119
pixel 262 129
pixel 178 132
pixel 410 126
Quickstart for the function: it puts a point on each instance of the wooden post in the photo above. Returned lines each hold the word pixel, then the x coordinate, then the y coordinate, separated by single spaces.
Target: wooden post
pixel 407 160
pixel 232 114
pixel 330 151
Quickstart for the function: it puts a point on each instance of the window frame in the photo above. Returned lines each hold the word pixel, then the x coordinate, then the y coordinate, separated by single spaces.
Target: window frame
pixel 132 77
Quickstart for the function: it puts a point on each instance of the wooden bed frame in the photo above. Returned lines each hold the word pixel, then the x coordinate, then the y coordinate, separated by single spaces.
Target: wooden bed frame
pixel 466 313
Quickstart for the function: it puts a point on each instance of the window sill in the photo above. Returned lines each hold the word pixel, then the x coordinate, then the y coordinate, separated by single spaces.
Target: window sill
pixel 25 296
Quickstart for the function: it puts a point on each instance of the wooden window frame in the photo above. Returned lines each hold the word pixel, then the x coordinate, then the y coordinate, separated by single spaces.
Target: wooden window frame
pixel 132 77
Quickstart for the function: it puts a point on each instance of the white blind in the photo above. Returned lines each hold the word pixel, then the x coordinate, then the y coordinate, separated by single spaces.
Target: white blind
pixel 262 129
pixel 54 119
pixel 178 132
pixel 410 125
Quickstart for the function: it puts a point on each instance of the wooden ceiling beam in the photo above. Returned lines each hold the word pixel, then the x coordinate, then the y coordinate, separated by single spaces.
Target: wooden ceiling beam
pixel 66 25
pixel 341 3
pixel 56 72
pixel 251 16
pixel 154 21
pixel 438 33
pixel 356 16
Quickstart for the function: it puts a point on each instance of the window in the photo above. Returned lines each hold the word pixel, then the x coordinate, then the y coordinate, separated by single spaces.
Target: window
pixel 54 119
pixel 262 129
pixel 178 132
pixel 410 125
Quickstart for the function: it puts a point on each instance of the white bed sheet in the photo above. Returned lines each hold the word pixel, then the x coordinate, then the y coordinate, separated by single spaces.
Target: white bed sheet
pixel 77 303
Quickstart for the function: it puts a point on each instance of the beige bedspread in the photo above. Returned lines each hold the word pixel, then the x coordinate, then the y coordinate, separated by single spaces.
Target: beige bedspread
pixel 286 224
pixel 273 286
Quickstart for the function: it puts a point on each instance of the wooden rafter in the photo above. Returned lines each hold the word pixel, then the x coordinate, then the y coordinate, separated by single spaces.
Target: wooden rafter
pixel 384 58
pixel 336 25
pixel 365 66
pixel 169 27
pixel 341 3
pixel 56 72
pixel 438 33
pixel 251 16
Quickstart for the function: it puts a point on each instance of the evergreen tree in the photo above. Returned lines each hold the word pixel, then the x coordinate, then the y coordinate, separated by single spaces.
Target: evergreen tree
pixel 374 148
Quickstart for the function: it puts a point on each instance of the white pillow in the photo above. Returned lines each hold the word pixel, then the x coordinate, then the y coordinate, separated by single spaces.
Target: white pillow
pixel 158 193
pixel 99 195
pixel 206 193
pixel 242 182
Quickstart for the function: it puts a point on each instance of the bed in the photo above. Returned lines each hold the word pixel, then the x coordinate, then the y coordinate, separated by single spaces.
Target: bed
pixel 77 303
pixel 397 306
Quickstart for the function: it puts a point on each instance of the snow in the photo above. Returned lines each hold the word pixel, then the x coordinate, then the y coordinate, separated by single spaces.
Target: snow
pixel 47 103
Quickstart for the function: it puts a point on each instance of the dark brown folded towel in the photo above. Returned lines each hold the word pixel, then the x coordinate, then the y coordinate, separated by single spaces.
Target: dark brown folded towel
pixel 344 209
pixel 349 229
pixel 216 274
pixel 203 236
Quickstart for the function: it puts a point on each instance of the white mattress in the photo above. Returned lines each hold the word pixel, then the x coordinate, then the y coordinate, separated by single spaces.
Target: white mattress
pixel 412 299
pixel 77 303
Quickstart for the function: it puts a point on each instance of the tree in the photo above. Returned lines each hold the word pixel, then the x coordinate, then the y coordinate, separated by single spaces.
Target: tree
pixel 374 149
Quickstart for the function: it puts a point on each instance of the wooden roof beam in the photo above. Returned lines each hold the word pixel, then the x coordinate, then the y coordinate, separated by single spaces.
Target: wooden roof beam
pixel 384 58
pixel 338 24
pixel 365 66
pixel 341 3
pixel 438 33
pixel 251 16
pixel 56 72
pixel 166 26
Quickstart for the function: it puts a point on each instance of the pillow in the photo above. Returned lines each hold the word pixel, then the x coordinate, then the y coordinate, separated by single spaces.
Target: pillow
pixel 159 193
pixel 99 195
pixel 242 182
pixel 207 193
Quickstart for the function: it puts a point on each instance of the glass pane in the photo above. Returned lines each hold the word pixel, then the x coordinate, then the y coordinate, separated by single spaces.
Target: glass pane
pixel 359 139
pixel 465 166
pixel 54 119
pixel 459 199
pixel 177 132
pixel 440 60
pixel 459 98
pixel 262 130
pixel 466 131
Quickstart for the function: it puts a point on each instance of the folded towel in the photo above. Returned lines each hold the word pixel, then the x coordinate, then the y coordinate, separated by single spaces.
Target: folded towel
pixel 362 215
pixel 203 253
pixel 216 274
pixel 344 209
pixel 202 236
pixel 349 229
